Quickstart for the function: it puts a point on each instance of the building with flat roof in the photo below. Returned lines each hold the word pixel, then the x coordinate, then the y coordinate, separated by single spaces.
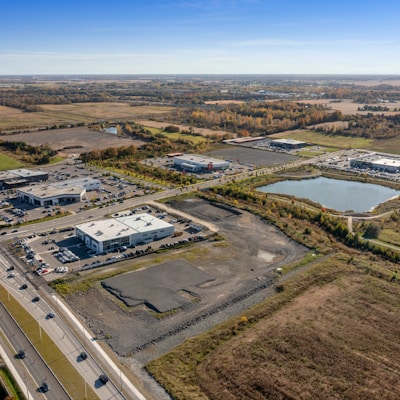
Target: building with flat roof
pixel 54 194
pixel 290 144
pixel 198 163
pixel 50 195
pixel 21 177
pixel 87 183
pixel 107 235
pixel 243 140
pixel 376 161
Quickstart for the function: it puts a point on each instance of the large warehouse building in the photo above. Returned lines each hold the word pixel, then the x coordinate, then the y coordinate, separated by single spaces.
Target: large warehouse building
pixel 21 177
pixel 289 144
pixel 107 235
pixel 376 161
pixel 199 163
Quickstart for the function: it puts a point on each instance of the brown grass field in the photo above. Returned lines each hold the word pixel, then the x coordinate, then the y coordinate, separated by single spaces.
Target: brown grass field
pixel 160 125
pixel 331 333
pixel 348 107
pixel 13 119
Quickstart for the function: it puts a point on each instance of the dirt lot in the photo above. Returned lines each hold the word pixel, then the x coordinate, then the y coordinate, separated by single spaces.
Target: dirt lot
pixel 212 281
pixel 74 140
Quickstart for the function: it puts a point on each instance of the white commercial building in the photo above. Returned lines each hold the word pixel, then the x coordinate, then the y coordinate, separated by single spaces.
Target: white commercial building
pixel 377 161
pixel 107 235
pixel 49 195
pixel 87 183
pixel 194 162
pixel 54 194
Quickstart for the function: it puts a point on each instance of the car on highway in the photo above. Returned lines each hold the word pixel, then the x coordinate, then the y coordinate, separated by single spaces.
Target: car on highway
pixel 44 388
pixel 11 275
pixel 21 354
pixel 35 299
pixel 24 286
pixel 50 315
pixel 103 378
pixel 10 268
pixel 83 355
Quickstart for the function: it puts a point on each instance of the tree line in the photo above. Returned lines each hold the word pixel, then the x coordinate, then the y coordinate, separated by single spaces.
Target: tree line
pixel 32 154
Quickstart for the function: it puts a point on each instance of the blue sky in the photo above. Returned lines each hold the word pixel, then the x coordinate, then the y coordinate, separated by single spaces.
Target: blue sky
pixel 199 37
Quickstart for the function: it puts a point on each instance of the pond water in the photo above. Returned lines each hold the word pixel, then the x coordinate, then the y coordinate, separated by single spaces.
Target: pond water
pixel 335 193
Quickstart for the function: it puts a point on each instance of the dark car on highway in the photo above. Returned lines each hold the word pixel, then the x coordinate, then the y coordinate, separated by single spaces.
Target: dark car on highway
pixel 24 286
pixel 44 388
pixel 35 299
pixel 21 354
pixel 103 378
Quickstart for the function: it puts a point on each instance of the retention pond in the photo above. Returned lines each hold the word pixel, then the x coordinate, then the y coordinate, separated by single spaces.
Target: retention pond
pixel 338 194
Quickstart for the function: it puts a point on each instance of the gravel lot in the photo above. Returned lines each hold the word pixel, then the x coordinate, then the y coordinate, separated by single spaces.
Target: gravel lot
pixel 259 158
pixel 209 282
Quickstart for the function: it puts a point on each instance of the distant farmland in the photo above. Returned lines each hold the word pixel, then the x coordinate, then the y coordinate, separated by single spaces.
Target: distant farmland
pixel 54 114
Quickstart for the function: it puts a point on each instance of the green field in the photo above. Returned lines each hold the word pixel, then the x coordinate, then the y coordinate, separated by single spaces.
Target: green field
pixel 7 162
pixel 190 138
pixel 177 135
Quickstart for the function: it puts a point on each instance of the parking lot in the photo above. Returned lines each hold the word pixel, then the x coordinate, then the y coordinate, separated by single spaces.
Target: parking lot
pixel 114 188
pixel 59 251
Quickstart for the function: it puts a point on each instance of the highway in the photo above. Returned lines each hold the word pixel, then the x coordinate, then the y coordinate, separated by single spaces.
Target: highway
pixel 67 333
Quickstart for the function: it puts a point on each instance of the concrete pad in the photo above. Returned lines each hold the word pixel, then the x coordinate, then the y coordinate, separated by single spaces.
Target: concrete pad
pixel 158 287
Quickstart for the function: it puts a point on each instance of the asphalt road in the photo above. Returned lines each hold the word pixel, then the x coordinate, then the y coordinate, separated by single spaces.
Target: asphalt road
pixel 32 365
pixel 71 340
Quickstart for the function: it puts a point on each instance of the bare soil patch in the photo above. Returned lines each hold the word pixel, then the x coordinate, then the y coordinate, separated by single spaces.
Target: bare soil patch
pixel 74 140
